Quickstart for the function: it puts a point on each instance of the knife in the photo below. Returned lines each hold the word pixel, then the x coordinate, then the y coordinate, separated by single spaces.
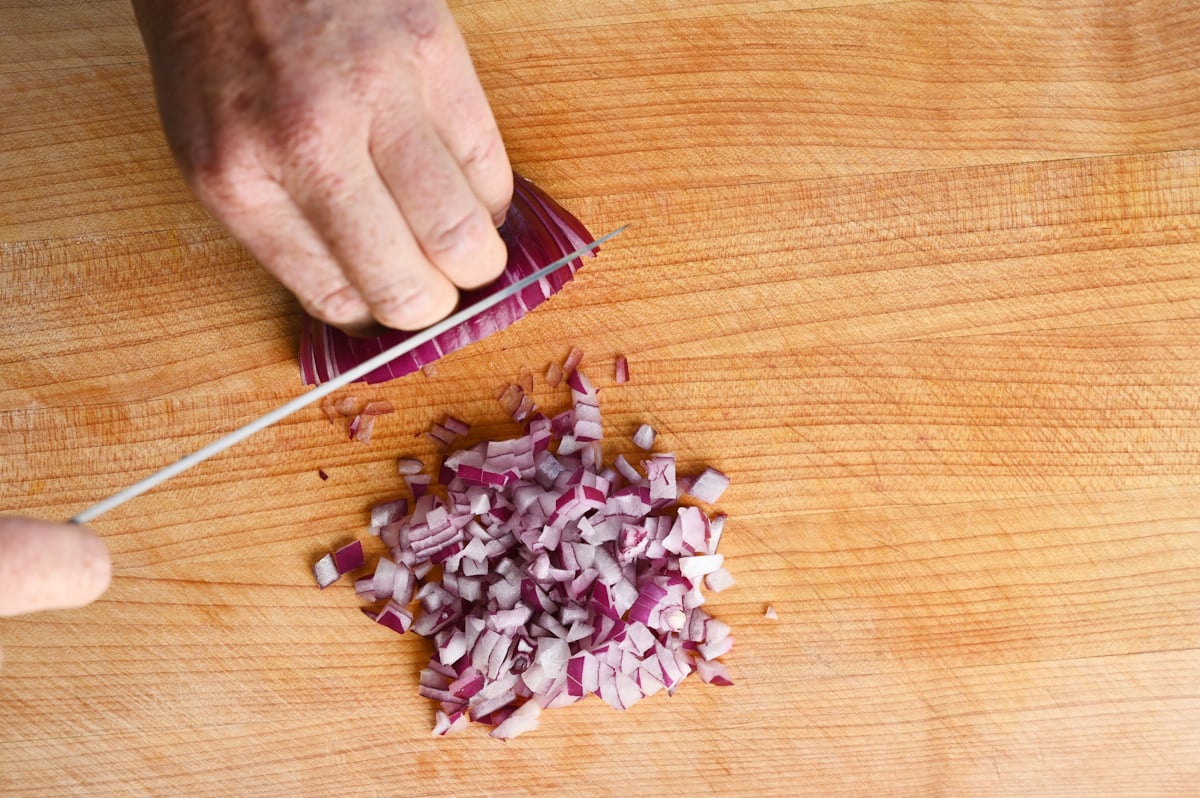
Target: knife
pixel 326 388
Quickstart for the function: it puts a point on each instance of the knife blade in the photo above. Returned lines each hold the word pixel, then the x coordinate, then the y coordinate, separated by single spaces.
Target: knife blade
pixel 326 388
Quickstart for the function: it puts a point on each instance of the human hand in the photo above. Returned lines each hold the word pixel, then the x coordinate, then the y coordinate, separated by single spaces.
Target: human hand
pixel 349 147
pixel 48 566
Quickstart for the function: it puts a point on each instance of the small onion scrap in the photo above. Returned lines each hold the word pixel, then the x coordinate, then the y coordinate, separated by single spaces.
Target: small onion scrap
pixel 329 568
pixel 537 231
pixel 544 576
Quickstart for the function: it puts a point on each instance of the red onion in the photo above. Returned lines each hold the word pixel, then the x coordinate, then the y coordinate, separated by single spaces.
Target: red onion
pixel 718 580
pixel 331 566
pixel 537 232
pixel 644 437
pixel 621 370
pixel 558 578
pixel 325 571
pixel 349 557
pixel 709 486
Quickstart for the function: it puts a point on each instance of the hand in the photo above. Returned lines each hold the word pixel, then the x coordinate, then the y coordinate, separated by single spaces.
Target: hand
pixel 348 146
pixel 48 566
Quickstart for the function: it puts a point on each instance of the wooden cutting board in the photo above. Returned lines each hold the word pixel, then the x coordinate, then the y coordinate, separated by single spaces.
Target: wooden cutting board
pixel 920 276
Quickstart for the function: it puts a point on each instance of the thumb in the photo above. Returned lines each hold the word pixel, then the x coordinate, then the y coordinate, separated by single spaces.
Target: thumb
pixel 49 566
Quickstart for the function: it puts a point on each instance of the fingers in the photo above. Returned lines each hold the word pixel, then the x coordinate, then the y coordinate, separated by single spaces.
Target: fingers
pixel 263 216
pixel 47 566
pixel 374 245
pixel 355 155
pixel 453 227
pixel 460 114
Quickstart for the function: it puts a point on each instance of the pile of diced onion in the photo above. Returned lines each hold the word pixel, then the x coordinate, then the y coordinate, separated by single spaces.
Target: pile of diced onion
pixel 543 575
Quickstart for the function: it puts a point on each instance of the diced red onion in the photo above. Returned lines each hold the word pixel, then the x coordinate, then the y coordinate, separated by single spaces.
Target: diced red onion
pixel 644 437
pixel 524 719
pixel 326 571
pixel 719 580
pixel 709 486
pixel 394 617
pixel 408 466
pixel 349 557
pixel 574 358
pixel 716 527
pixel 386 513
pixel 557 577
pixel 701 565
pixel 660 476
pixel 329 408
pixel 771 614
pixel 537 232
pixel 713 672
pixel 621 370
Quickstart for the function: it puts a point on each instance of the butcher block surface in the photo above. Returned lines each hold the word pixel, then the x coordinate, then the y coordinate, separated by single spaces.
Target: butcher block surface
pixel 922 277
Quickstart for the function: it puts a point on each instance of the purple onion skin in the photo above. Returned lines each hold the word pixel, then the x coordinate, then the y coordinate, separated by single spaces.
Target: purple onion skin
pixel 537 232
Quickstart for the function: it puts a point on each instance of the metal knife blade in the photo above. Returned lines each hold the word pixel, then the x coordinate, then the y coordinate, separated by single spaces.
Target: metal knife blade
pixel 326 388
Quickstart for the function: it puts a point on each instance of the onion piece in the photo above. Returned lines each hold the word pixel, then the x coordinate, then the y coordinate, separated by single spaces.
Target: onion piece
pixel 771 614
pixel 349 557
pixel 524 719
pixel 709 486
pixel 713 672
pixel 692 568
pixel 574 358
pixel 719 580
pixel 408 466
pixel 644 437
pixel 325 571
pixel 536 232
pixel 621 370
pixel 394 617
pixel 554 375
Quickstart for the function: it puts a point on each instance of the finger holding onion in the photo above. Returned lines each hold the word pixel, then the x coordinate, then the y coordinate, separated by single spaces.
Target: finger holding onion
pixel 49 566
pixel 349 147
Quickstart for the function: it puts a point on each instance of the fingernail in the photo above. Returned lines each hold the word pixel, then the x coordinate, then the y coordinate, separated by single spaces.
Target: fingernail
pixel 416 310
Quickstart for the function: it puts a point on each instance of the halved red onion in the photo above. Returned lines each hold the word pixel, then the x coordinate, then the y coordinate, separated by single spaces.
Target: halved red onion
pixel 537 232
pixel 557 577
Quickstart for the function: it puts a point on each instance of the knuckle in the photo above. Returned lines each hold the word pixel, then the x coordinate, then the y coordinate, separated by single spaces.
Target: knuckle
pixel 423 21
pixel 412 306
pixel 343 306
pixel 220 172
pixel 467 249
pixel 452 233
pixel 484 154
pixel 487 168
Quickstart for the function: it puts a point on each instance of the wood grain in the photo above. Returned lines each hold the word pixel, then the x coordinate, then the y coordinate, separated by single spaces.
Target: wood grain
pixel 920 276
